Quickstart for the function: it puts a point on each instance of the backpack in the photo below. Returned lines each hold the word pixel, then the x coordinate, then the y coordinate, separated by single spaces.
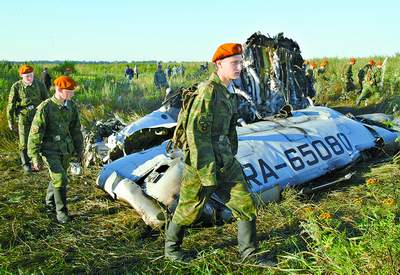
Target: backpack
pixel 188 96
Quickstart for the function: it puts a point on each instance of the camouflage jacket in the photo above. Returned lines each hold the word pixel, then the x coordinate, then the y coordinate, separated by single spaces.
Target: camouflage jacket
pixel 55 130
pixel 211 130
pixel 24 99
pixel 160 79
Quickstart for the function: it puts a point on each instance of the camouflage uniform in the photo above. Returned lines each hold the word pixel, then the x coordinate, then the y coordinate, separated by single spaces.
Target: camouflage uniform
pixel 210 166
pixel 56 135
pixel 348 78
pixel 209 163
pixel 22 103
pixel 369 84
pixel 361 75
pixel 160 79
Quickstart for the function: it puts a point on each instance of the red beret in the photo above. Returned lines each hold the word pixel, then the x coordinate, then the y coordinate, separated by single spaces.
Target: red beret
pixel 65 82
pixel 226 50
pixel 25 69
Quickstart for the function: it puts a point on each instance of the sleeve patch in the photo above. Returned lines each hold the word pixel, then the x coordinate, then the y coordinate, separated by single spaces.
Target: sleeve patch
pixel 204 124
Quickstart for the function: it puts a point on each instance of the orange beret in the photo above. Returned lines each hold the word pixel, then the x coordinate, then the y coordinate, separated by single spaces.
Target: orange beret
pixel 226 50
pixel 65 82
pixel 25 69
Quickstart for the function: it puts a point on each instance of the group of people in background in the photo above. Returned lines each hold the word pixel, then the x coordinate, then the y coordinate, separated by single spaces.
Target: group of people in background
pixel 369 78
pixel 161 76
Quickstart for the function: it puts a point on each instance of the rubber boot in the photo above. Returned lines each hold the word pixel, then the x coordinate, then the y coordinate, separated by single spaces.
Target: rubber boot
pixel 247 241
pixel 50 204
pixel 60 199
pixel 173 242
pixel 26 164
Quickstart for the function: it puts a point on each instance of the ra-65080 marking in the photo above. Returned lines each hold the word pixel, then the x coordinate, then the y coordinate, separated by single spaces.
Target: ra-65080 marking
pixel 301 156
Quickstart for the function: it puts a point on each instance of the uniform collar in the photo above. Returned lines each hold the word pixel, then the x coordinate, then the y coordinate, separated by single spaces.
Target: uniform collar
pixel 59 104
pixel 214 78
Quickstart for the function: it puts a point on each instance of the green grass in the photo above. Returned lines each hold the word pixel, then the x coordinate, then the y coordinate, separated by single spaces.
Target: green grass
pixel 352 228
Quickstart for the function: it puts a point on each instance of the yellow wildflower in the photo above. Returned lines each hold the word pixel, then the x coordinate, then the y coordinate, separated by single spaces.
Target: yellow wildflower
pixel 372 181
pixel 357 201
pixel 326 216
pixel 389 202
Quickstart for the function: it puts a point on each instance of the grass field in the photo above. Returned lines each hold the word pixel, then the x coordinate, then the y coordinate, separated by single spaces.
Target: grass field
pixel 352 228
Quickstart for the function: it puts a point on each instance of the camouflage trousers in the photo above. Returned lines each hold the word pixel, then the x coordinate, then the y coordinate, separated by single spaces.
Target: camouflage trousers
pixel 58 166
pixel 232 189
pixel 24 126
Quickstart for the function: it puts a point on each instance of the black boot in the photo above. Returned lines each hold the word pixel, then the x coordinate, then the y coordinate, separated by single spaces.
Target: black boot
pixel 50 204
pixel 26 162
pixel 60 199
pixel 247 241
pixel 173 241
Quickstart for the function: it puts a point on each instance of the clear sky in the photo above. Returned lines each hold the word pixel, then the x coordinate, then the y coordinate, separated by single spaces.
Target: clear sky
pixel 191 30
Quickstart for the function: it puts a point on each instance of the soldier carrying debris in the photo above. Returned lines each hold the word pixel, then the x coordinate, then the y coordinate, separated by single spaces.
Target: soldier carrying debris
pixel 210 165
pixel 369 83
pixel 25 95
pixel 56 135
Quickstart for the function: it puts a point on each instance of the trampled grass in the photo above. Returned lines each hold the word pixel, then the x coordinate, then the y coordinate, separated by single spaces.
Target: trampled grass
pixel 351 228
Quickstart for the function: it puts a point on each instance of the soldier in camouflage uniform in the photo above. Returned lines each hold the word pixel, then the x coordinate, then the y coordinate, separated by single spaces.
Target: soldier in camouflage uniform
pixel 348 76
pixel 210 165
pixel 369 84
pixel 55 136
pixel 25 95
pixel 160 79
pixel 361 75
pixel 310 79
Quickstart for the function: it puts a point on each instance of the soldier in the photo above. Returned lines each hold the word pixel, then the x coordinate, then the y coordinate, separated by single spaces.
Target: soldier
pixel 55 136
pixel 46 78
pixel 348 76
pixel 210 165
pixel 322 69
pixel 310 79
pixel 321 80
pixel 369 83
pixel 361 75
pixel 160 79
pixel 25 95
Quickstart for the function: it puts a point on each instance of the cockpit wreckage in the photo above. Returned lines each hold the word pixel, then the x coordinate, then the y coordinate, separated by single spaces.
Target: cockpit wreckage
pixel 284 140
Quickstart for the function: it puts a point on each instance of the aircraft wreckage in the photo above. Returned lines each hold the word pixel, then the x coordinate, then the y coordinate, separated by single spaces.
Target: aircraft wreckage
pixel 284 140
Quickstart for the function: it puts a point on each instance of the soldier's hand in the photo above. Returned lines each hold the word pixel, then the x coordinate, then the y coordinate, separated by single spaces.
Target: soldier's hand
pixel 36 167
